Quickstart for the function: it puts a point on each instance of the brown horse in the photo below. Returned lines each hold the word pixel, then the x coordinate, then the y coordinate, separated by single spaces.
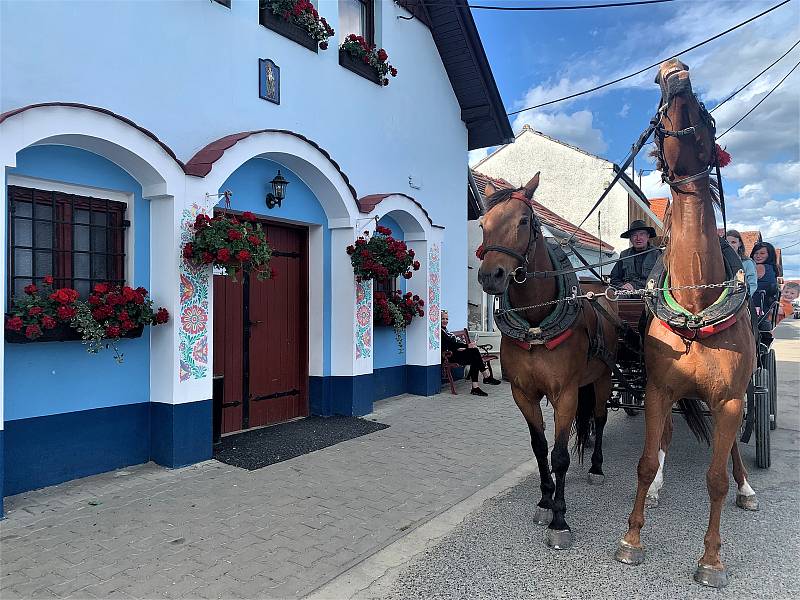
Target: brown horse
pixel 715 369
pixel 576 381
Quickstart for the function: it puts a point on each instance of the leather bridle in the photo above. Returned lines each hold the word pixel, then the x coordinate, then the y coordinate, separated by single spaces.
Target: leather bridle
pixel 533 237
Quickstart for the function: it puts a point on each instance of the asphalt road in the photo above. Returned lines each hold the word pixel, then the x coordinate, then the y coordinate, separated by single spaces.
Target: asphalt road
pixel 498 551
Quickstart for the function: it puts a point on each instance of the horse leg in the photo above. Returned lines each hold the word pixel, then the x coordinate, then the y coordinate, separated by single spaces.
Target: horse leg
pixel 745 495
pixel 532 411
pixel 558 535
pixel 656 408
pixel 602 392
pixel 727 418
pixel 651 501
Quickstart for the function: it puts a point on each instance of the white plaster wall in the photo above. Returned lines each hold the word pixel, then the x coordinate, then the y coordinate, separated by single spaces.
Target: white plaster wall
pixel 570 183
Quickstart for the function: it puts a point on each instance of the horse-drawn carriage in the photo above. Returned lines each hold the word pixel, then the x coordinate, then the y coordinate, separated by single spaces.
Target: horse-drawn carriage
pixel 762 394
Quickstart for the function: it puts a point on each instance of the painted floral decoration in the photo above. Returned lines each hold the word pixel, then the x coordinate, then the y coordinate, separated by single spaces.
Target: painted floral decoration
pixel 381 257
pixel 230 242
pixel 41 308
pixel 357 47
pixel 303 14
pixel 397 310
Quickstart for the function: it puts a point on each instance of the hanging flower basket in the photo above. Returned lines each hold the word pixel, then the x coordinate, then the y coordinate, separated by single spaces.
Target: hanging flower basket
pixel 398 310
pixel 111 313
pixel 297 20
pixel 380 256
pixel 357 55
pixel 231 243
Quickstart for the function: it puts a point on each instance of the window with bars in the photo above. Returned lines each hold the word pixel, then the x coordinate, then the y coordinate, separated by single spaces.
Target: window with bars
pixel 357 16
pixel 387 286
pixel 78 240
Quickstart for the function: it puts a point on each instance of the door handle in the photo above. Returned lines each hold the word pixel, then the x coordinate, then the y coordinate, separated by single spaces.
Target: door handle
pixel 256 322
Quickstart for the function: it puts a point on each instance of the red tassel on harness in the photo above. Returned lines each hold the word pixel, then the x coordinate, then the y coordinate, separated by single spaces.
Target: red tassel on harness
pixel 479 252
pixel 723 157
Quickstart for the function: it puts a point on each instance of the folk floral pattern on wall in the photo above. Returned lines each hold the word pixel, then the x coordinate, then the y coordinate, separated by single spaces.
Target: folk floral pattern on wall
pixel 193 347
pixel 434 283
pixel 363 319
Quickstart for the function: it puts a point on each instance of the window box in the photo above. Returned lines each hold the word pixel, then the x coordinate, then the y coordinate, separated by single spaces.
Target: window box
pixel 359 67
pixel 287 29
pixel 62 333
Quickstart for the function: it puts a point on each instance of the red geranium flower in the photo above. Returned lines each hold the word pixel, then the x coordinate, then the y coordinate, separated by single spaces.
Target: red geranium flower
pixel 14 323
pixel 162 316
pixel 65 313
pixel 208 258
pixel 47 280
pixel 31 289
pixel 112 331
pixel 234 235
pixel 101 288
pixel 48 322
pixel 64 295
pixel 188 250
pixel 243 255
pixel 223 255
pixel 32 332
pixel 248 216
pixel 254 239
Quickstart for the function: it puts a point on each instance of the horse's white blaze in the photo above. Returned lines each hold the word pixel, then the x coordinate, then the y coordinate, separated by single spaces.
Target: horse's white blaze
pixel 658 482
pixel 746 490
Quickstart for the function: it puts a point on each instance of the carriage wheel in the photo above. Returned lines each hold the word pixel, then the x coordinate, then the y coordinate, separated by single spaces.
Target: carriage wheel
pixel 762 419
pixel 773 389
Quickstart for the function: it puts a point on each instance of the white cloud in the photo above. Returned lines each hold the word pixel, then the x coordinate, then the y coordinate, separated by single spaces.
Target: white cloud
pixel 623 112
pixel 653 187
pixel 574 128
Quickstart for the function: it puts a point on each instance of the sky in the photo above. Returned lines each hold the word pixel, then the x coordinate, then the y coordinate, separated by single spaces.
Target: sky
pixel 539 56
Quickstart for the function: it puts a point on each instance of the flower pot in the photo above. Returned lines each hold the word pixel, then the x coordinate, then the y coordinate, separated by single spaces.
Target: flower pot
pixel 287 29
pixel 359 67
pixel 61 333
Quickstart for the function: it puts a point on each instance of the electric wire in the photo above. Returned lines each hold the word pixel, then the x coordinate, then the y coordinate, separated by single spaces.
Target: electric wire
pixel 640 71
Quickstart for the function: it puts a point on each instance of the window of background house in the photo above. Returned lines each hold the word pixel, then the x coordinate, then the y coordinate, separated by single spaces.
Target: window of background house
pixel 387 286
pixel 357 16
pixel 78 240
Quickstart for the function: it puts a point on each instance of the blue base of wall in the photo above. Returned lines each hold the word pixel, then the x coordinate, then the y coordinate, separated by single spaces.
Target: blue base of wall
pixel 424 380
pixel 43 451
pixel 390 381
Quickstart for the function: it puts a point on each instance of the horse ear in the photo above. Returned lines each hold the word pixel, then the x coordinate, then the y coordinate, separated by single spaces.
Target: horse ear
pixel 531 186
pixel 489 190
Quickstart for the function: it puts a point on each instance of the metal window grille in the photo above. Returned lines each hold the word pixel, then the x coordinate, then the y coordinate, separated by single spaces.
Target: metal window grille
pixel 78 240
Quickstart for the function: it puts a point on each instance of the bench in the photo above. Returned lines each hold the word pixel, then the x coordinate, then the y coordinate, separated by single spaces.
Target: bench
pixel 447 366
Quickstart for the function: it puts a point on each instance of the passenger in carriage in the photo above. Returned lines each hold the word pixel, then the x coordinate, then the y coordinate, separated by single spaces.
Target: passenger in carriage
pixel 466 355
pixel 763 254
pixel 636 262
pixel 735 240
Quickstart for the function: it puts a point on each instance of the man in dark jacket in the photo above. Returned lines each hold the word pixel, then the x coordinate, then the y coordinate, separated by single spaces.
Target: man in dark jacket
pixel 466 354
pixel 631 272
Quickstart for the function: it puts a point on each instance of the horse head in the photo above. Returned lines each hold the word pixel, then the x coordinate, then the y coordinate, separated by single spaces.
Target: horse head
pixel 510 233
pixel 685 132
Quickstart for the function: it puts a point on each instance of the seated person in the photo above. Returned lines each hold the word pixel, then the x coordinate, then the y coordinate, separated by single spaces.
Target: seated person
pixel 466 355
pixel 763 254
pixel 790 291
pixel 631 271
pixel 735 240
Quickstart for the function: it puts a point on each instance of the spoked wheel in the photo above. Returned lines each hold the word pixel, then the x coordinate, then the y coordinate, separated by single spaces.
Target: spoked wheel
pixel 762 420
pixel 771 367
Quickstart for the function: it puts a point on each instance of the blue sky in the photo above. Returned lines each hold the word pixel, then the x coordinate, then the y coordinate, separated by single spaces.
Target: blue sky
pixel 538 56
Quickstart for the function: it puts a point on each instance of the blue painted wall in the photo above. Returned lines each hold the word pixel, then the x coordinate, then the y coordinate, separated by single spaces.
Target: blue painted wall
pixel 60 377
pixel 386 351
pixel 250 184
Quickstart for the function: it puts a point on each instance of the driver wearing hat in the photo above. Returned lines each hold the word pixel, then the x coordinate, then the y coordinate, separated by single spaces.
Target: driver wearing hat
pixel 635 264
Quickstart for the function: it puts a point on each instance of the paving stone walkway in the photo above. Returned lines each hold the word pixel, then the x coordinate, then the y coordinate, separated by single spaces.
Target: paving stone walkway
pixel 216 531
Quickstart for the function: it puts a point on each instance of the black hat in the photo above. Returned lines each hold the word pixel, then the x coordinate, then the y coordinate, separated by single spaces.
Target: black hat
pixel 639 225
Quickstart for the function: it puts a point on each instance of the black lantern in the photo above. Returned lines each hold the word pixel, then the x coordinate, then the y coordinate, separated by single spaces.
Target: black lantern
pixel 278 191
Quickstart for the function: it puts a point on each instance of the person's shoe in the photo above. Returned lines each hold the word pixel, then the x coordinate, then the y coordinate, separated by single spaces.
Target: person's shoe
pixel 476 391
pixel 491 381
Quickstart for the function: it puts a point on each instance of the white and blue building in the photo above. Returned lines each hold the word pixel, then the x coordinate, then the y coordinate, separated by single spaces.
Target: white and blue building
pixel 155 108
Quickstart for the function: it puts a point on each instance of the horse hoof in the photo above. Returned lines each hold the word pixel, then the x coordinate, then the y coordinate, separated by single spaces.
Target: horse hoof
pixel 543 516
pixel 716 578
pixel 629 555
pixel 597 478
pixel 747 502
pixel 651 501
pixel 558 539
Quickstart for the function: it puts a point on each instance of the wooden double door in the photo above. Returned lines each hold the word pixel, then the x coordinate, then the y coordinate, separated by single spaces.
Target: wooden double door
pixel 261 337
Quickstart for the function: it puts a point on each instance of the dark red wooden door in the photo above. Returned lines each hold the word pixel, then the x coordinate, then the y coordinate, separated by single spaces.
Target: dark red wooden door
pixel 261 337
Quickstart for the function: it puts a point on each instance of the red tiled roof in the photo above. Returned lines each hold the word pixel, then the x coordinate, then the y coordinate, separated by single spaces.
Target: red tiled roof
pixel 547 216
pixel 749 238
pixel 659 207
pixel 367 204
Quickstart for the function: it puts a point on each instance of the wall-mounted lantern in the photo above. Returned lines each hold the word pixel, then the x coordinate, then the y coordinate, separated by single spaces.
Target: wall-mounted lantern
pixel 278 191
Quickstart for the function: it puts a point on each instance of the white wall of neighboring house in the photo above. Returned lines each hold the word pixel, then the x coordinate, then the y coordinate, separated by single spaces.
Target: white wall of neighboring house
pixel 571 181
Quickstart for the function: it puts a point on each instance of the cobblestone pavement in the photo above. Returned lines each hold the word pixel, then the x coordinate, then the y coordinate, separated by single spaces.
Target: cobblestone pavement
pixel 216 531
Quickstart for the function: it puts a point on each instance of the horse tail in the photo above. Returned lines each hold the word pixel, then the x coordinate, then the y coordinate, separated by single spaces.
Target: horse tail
pixel 583 419
pixel 698 423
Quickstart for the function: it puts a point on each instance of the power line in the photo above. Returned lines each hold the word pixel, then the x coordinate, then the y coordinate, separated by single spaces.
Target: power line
pixel 789 246
pixel 772 237
pixel 568 7
pixel 640 71
pixel 744 116
pixel 756 77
